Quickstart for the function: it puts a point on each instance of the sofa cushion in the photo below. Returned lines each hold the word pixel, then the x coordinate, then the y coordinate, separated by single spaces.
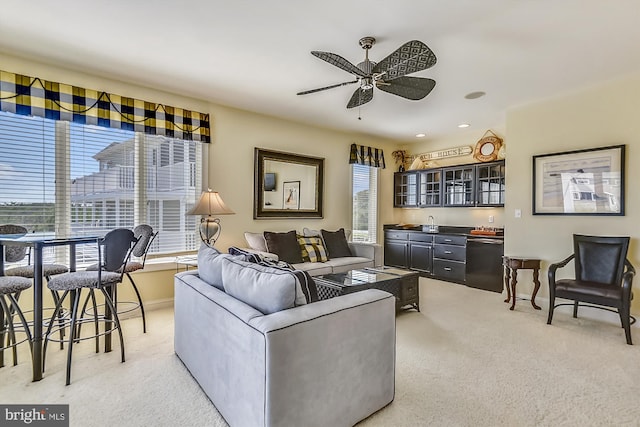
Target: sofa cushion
pixel 256 241
pixel 312 249
pixel 209 267
pixel 314 268
pixel 336 243
pixel 344 264
pixel 266 289
pixel 285 245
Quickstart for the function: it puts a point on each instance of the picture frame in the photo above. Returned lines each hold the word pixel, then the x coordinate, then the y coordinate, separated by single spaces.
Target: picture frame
pixel 580 182
pixel 291 195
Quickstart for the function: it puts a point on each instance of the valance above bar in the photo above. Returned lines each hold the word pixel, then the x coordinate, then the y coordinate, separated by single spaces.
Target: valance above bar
pixel 32 96
pixel 367 156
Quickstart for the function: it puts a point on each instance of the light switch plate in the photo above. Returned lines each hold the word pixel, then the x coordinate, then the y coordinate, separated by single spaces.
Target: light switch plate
pixel 518 213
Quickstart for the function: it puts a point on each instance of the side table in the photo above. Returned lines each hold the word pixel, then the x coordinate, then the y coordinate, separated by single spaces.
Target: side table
pixel 511 265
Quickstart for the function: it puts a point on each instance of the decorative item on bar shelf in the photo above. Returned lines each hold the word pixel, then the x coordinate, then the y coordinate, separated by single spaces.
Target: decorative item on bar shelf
pixel 210 203
pixel 487 147
pixel 400 156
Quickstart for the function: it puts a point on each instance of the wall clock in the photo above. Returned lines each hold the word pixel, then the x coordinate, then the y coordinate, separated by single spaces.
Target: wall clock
pixel 487 147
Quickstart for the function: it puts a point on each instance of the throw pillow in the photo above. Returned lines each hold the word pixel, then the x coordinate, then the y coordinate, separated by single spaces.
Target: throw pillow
pixel 312 249
pixel 266 289
pixel 336 243
pixel 246 255
pixel 256 241
pixel 307 232
pixel 285 245
pixel 209 268
pixel 306 282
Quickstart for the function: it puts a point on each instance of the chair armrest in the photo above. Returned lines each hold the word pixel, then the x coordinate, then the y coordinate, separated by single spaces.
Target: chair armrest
pixel 627 280
pixel 555 266
pixel 367 250
pixel 266 255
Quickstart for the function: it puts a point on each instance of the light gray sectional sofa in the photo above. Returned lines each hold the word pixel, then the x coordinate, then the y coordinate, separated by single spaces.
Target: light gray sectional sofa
pixel 326 363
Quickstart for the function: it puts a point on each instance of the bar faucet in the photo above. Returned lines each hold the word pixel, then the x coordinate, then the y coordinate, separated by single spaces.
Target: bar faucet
pixel 431 220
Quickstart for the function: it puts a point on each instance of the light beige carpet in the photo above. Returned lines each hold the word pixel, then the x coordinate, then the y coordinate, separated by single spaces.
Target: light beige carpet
pixel 465 360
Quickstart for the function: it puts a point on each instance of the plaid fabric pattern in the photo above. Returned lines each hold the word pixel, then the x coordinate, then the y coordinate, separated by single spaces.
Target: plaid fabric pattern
pixel 366 156
pixel 32 96
pixel 312 249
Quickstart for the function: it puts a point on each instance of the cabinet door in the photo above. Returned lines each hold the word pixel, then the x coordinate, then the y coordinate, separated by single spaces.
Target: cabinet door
pixel 490 184
pixel 405 189
pixel 458 186
pixel 421 256
pixel 395 253
pixel 430 188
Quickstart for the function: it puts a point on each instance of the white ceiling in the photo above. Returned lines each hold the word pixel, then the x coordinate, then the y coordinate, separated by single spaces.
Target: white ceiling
pixel 255 55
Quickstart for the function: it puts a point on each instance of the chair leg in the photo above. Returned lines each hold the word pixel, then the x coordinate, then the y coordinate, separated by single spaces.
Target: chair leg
pixel 95 318
pixel 75 295
pixel 25 325
pixel 575 309
pixel 552 306
pixel 625 318
pixel 56 298
pixel 135 288
pixel 109 302
pixel 50 326
pixel 2 334
pixel 11 334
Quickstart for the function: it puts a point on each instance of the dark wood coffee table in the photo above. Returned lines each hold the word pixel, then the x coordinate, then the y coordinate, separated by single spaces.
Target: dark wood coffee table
pixel 403 284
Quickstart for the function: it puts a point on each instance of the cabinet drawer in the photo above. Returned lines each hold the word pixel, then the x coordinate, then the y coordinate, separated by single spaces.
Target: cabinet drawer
pixel 420 237
pixel 397 235
pixel 448 239
pixel 449 270
pixel 455 253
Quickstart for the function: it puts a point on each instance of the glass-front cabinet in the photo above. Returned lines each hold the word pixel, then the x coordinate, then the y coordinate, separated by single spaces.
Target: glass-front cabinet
pixel 477 184
pixel 490 184
pixel 458 186
pixel 405 189
pixel 430 188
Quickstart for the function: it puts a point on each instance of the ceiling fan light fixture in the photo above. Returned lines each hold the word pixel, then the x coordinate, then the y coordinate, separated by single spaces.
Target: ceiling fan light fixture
pixel 463 125
pixel 475 95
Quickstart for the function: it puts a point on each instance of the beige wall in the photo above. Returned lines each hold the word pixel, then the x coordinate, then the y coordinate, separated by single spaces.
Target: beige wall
pixel 597 117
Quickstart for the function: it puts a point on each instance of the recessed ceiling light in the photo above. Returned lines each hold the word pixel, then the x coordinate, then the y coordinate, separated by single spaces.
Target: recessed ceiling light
pixel 475 95
pixel 464 125
pixel 421 135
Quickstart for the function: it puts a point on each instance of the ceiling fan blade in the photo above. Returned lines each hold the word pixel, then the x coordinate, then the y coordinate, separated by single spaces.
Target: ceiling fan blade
pixel 410 57
pixel 339 62
pixel 306 92
pixel 360 96
pixel 414 88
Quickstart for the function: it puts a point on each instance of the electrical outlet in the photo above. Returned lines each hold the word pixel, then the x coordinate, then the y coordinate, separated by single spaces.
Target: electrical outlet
pixel 518 213
pixel 490 219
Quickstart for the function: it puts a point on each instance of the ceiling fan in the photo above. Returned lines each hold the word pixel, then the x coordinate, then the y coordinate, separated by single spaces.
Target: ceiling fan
pixel 388 75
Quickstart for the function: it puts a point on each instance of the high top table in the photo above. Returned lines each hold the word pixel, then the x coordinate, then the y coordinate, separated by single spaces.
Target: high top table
pixel 38 241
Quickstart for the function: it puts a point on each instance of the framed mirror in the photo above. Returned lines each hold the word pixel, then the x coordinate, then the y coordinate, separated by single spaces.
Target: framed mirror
pixel 287 185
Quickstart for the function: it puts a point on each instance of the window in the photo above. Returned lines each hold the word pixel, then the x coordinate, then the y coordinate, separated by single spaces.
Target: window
pixel 364 181
pixel 65 177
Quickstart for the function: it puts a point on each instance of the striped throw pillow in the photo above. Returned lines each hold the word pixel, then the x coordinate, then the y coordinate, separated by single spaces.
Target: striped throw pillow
pixel 312 249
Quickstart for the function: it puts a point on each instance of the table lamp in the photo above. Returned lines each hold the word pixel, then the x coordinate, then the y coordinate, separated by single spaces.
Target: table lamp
pixel 210 204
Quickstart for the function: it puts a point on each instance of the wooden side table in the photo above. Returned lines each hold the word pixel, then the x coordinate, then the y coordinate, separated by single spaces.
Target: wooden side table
pixel 511 265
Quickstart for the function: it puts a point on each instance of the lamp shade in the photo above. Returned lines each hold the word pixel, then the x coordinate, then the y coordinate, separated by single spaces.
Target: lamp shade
pixel 210 203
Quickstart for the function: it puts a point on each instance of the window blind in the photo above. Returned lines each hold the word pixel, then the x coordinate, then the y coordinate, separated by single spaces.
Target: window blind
pixel 365 203
pixel 69 178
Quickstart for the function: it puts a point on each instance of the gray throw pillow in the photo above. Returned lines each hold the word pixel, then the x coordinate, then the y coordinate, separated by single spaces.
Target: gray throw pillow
pixel 336 243
pixel 266 289
pixel 285 245
pixel 209 266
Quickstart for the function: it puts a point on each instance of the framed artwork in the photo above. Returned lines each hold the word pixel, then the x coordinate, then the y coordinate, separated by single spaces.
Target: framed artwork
pixel 581 182
pixel 291 190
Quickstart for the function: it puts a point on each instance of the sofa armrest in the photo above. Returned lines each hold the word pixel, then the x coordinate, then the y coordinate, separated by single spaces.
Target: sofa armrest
pixel 367 250
pixel 331 362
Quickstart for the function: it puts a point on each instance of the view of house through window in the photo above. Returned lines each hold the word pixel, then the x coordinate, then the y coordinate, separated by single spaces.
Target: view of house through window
pixel 365 202
pixel 68 178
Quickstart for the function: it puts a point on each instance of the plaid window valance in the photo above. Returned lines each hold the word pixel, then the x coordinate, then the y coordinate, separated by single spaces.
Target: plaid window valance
pixel 367 156
pixel 32 96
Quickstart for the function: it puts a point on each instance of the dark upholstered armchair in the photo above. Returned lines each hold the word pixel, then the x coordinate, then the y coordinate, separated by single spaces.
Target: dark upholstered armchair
pixel 603 276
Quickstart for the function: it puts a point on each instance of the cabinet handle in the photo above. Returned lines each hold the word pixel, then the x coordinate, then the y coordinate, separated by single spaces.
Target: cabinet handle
pixel 447 268
pixel 448 240
pixel 447 252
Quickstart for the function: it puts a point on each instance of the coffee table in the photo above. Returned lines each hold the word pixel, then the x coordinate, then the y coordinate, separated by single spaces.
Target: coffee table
pixel 401 283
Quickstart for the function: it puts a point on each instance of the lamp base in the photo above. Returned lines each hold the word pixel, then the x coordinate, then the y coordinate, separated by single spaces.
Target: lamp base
pixel 210 230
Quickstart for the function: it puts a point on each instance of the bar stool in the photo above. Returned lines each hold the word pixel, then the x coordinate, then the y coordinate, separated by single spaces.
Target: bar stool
pixel 10 288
